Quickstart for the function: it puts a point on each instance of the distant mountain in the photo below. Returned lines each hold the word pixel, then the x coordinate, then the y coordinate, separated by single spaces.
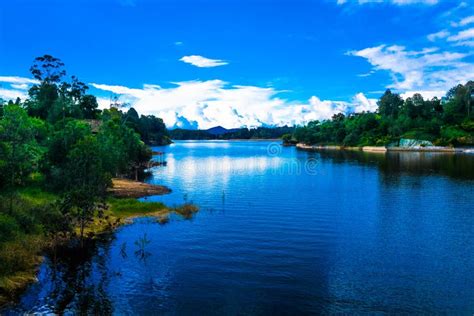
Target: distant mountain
pixel 219 130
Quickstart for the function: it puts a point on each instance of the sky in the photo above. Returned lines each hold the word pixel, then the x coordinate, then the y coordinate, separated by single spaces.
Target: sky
pixel 203 63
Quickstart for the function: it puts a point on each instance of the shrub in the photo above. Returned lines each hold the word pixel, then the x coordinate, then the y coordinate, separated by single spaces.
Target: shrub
pixel 8 228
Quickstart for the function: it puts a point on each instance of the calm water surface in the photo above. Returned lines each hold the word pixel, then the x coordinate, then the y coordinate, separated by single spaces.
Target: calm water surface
pixel 282 231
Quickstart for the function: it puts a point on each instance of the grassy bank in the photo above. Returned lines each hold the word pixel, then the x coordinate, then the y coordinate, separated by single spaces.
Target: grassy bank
pixel 25 232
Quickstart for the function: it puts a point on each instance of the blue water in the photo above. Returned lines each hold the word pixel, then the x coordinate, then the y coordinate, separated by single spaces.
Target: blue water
pixel 282 231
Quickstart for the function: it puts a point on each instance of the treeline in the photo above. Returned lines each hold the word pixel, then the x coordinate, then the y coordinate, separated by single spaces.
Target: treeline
pixel 448 121
pixel 58 154
pixel 239 133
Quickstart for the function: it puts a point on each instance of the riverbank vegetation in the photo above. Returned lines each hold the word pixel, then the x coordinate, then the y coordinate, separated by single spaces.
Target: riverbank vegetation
pixel 58 155
pixel 448 121
pixel 228 134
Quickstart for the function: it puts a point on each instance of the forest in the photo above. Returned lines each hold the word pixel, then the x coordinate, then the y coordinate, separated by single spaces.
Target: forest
pixel 446 121
pixel 58 154
pixel 236 133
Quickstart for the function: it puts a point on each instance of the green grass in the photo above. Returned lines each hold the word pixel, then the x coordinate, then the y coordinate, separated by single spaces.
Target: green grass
pixel 24 238
pixel 133 207
pixel 124 208
pixel 36 196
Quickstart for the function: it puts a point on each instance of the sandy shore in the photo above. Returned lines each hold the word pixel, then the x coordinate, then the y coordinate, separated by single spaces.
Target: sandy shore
pixel 382 149
pixel 124 188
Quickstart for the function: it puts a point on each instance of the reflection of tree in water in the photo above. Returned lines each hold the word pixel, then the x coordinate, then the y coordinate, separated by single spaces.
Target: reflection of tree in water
pixel 394 164
pixel 141 253
pixel 79 279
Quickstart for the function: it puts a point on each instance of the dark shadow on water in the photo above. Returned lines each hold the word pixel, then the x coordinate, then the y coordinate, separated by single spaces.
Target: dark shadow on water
pixel 458 166
pixel 72 280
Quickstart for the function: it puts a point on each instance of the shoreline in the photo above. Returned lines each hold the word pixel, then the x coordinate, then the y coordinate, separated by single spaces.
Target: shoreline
pixel 122 208
pixel 384 149
pixel 230 140
pixel 125 188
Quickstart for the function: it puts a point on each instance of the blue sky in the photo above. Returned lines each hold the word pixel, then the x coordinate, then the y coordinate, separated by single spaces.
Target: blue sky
pixel 242 63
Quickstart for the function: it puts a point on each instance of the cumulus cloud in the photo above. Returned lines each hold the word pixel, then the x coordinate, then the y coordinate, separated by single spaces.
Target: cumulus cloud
pixel 203 62
pixel 428 70
pixel 363 104
pixel 204 104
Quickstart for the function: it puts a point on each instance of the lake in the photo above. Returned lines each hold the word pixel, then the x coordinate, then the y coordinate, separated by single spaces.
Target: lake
pixel 282 231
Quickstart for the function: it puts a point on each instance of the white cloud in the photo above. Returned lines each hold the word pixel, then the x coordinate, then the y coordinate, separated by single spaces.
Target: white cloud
pixel 205 104
pixel 363 104
pixel 438 35
pixel 367 74
pixel 426 94
pixel 464 43
pixel 429 69
pixel 18 87
pixel 18 80
pixel 10 94
pixel 200 61
pixel 395 2
pixel 462 35
pixel 465 21
pixel 405 2
pixel 104 103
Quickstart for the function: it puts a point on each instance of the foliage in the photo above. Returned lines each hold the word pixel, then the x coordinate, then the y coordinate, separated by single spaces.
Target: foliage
pixel 238 133
pixel 447 121
pixel 131 207
pixel 58 152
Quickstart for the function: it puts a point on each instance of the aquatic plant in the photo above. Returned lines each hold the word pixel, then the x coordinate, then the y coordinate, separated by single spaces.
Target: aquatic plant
pixel 141 243
pixel 186 210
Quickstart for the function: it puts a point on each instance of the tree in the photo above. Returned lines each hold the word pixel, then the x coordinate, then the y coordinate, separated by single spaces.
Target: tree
pixel 89 107
pixel 54 98
pixel 390 104
pixel 132 120
pixel 153 130
pixel 86 180
pixel 67 134
pixel 41 99
pixel 19 151
pixel 48 69
pixel 76 89
pixel 459 103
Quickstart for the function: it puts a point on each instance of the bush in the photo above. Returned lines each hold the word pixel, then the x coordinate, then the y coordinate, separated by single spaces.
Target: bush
pixel 186 210
pixel 8 228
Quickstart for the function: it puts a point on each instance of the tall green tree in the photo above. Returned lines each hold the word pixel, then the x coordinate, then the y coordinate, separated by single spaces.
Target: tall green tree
pixel 390 104
pixel 20 153
pixel 89 107
pixel 86 180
